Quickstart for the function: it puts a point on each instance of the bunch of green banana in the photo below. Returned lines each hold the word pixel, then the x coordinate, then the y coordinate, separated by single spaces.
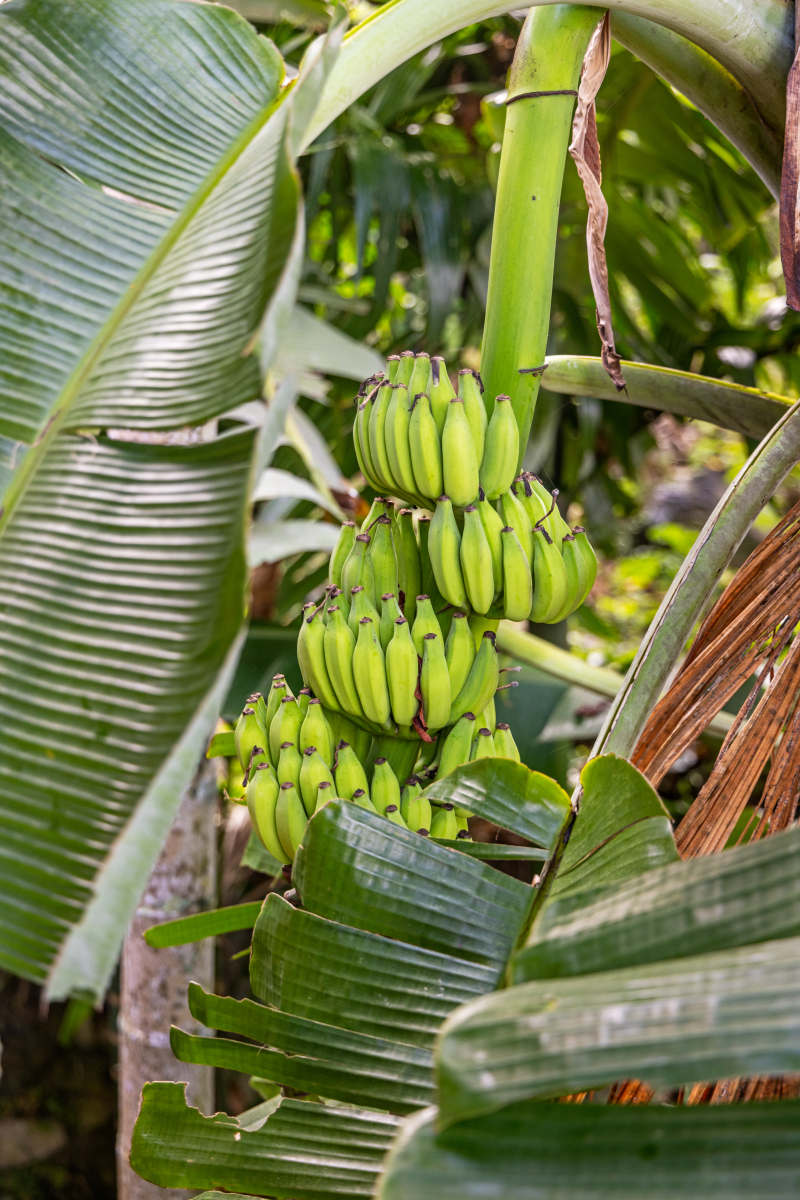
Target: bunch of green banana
pixel 517 560
pixel 384 675
pixel 415 437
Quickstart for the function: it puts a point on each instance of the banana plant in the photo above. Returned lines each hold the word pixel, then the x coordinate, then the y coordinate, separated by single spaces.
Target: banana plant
pixel 616 965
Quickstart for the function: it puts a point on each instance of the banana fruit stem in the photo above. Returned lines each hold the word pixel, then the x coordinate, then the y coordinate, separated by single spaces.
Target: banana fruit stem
pixel 541 95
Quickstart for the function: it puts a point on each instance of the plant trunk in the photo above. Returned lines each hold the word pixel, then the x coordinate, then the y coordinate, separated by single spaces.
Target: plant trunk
pixel 541 96
pixel 155 982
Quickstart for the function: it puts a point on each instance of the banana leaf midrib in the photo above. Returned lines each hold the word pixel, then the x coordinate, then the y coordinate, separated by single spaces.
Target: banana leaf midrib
pixel 57 421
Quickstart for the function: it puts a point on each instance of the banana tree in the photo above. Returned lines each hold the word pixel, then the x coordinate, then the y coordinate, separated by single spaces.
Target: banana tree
pixel 395 933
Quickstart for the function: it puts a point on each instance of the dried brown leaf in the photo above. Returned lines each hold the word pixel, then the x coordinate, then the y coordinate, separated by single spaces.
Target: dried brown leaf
pixel 790 180
pixel 585 150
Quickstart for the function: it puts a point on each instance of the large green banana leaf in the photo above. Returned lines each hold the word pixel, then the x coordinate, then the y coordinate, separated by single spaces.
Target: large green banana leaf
pixel 536 1151
pixel 346 962
pixel 149 216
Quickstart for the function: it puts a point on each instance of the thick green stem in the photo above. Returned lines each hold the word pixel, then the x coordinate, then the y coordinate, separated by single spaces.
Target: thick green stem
pixel 548 60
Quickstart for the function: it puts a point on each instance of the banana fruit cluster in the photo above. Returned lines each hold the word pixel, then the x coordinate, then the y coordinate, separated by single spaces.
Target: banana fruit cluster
pixel 416 439
pixel 497 544
pixel 295 762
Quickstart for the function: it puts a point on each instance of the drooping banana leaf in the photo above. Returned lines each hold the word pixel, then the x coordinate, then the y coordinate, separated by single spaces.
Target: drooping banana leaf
pixel 509 794
pixel 622 830
pixel 330 972
pixel 356 867
pixel 737 898
pixel 713 1016
pixel 302 1149
pixel 352 1012
pixel 307 1055
pixel 599 1152
pixel 150 210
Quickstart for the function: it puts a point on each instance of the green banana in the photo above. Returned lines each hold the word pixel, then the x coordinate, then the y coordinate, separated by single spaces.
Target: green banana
pixel 411 789
pixel 575 566
pixel 278 690
pixel 515 514
pixel 316 731
pixel 379 508
pixel 418 815
pixel 312 773
pixel 304 699
pixel 257 757
pixel 428 585
pixel 463 826
pixel 339 646
pixel 456 749
pixel 459 652
pixel 393 814
pixel 259 706
pixel 408 563
pixel 369 673
pixel 289 764
pixel 285 726
pixel 488 718
pixel 441 392
pixel 377 438
pixel 504 744
pixel 553 522
pixel 470 390
pixel 483 746
pixel 358 569
pixel 325 793
pixel 361 440
pixel 384 559
pixel 492 527
pixel 589 558
pixel 311 656
pixel 390 611
pixel 426 451
pixel 334 595
pixel 500 455
pixel 477 568
pixel 481 682
pixel 392 363
pixel 402 672
pixel 396 434
pixel 421 375
pixel 425 622
pixel 361 606
pixel 246 735
pixel 444 823
pixel 531 501
pixel 361 798
pixel 550 592
pixel 352 567
pixel 385 789
pixel 444 546
pixel 290 818
pixel 262 801
pixel 434 683
pixel 405 368
pixel 459 457
pixel 349 773
pixel 517 584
